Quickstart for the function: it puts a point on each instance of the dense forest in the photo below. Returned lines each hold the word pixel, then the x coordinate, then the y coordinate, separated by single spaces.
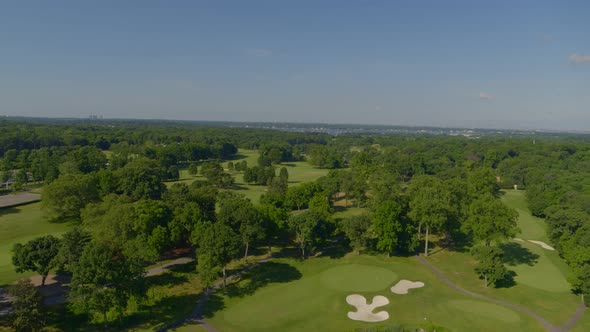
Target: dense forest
pixel 117 182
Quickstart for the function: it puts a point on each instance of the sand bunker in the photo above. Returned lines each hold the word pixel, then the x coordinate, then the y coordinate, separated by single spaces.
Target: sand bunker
pixel 542 244
pixel 403 286
pixel 364 311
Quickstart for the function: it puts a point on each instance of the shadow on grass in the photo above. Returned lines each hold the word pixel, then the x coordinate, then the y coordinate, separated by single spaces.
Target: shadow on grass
pixel 515 254
pixel 262 275
pixel 163 312
pixel 214 303
pixel 508 280
pixel 165 279
pixel 183 268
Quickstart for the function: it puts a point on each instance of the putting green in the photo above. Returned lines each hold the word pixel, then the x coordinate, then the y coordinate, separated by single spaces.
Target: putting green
pixel 487 310
pixel 358 278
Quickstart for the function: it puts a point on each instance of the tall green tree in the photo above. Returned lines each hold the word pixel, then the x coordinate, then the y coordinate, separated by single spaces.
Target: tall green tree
pixel 38 255
pixel 390 228
pixel 356 229
pixel 27 314
pixel 429 204
pixel 72 245
pixel 218 244
pixel 490 220
pixel 104 279
pixel 310 230
pixel 68 195
pixel 490 265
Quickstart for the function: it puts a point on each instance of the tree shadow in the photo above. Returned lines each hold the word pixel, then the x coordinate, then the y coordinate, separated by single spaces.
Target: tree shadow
pixel 236 156
pixel 165 311
pixel 262 275
pixel 515 254
pixel 335 250
pixel 183 268
pixel 8 210
pixel 165 279
pixel 508 280
pixel 214 303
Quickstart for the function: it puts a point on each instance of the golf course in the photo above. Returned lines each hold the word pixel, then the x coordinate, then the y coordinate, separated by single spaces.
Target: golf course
pixel 311 295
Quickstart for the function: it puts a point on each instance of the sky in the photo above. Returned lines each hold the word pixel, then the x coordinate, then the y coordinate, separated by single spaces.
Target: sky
pixel 488 64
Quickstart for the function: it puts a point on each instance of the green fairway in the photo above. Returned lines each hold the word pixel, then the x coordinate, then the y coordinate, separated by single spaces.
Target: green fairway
pixel 19 225
pixel 290 295
pixel 531 227
pixel 541 275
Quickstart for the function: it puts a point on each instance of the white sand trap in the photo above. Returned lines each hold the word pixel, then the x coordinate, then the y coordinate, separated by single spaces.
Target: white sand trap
pixel 364 311
pixel 403 286
pixel 542 244
pixel 518 239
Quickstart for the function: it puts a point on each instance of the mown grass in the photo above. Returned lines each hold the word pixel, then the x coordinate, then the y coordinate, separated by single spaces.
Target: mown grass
pixel 540 283
pixel 18 225
pixel 315 300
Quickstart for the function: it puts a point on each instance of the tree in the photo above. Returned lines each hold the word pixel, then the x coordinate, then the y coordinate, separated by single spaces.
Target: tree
pixel 391 230
pixel 356 229
pixel 490 220
pixel 193 169
pixel 218 244
pixel 72 245
pixel 482 181
pixel 66 196
pixel 27 306
pixel 104 279
pixel 429 204
pixel 37 255
pixel 284 173
pixel 310 230
pixel 490 266
pixel 141 178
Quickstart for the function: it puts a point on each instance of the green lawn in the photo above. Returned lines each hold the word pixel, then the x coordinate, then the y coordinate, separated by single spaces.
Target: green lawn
pixel 290 295
pixel 21 224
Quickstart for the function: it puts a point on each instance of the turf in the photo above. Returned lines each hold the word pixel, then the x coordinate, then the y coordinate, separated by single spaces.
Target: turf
pixel 18 225
pixel 305 302
pixel 541 275
pixel 531 227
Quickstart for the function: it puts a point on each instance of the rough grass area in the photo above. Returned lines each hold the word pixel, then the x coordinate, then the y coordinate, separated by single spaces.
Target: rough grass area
pixel 292 295
pixel 18 225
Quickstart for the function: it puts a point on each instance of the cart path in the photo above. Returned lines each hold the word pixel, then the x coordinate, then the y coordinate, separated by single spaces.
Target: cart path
pixel 546 324
pixel 197 316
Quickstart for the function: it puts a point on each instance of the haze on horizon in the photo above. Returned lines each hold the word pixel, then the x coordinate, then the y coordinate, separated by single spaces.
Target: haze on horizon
pixel 514 64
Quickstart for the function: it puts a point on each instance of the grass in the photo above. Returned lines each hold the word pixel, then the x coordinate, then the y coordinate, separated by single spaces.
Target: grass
pixel 310 295
pixel 18 225
pixel 299 172
pixel 541 275
pixel 532 228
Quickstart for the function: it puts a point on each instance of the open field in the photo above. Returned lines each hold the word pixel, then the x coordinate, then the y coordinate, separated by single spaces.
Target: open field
pixel 21 224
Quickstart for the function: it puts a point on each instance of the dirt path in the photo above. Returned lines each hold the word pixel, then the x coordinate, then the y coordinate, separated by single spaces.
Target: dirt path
pixel 546 324
pixel 196 316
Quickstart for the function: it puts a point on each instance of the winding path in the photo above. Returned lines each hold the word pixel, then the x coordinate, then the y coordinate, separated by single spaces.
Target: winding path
pixel 546 324
pixel 196 316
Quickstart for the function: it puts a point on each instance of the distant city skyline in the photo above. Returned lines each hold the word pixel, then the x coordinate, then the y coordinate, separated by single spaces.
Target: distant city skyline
pixel 505 65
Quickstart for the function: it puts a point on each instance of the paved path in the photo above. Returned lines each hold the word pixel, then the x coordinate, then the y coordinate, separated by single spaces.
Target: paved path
pixel 196 317
pixel 546 324
pixel 18 199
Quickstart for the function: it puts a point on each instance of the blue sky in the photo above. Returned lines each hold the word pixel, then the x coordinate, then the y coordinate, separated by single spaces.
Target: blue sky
pixel 496 64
